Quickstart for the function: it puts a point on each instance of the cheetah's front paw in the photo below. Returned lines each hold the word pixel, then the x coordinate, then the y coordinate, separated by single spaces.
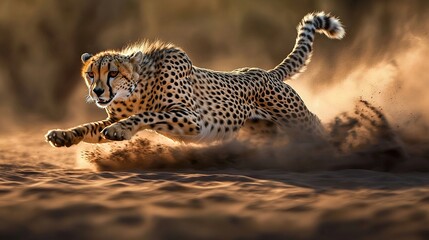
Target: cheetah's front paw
pixel 117 132
pixel 61 138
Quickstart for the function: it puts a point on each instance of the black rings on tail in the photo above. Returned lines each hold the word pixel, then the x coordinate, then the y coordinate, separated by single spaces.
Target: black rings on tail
pixel 300 56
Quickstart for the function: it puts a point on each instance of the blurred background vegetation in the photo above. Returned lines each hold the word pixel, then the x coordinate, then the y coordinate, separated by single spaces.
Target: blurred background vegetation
pixel 41 40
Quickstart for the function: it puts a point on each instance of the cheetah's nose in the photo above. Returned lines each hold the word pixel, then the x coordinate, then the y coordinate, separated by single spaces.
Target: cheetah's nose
pixel 98 91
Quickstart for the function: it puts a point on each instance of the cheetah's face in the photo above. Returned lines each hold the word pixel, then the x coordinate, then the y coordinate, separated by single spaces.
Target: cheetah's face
pixel 110 76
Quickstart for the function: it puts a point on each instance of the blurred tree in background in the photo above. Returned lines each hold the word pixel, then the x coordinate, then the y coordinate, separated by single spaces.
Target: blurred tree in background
pixel 41 40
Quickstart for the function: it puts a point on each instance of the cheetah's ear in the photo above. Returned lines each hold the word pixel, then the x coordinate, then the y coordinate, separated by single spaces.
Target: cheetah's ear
pixel 85 57
pixel 136 57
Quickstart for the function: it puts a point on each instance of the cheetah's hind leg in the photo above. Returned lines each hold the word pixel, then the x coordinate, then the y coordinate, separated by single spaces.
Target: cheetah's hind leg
pixel 259 130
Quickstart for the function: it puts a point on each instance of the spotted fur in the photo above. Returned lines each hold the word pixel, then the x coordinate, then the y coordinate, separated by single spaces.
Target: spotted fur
pixel 155 86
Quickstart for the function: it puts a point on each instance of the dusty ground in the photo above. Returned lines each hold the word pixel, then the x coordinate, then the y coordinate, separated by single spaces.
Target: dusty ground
pixel 43 195
pixel 241 191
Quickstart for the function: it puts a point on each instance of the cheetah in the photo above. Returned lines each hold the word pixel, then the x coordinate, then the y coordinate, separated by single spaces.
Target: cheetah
pixel 155 86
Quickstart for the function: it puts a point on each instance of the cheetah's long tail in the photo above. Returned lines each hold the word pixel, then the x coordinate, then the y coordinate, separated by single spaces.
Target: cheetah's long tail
pixel 300 56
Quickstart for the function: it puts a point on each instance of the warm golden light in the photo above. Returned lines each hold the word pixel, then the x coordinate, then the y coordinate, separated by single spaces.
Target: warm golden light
pixel 369 181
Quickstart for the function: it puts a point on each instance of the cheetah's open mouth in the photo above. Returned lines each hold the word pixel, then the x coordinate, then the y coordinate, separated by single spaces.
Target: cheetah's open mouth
pixel 104 103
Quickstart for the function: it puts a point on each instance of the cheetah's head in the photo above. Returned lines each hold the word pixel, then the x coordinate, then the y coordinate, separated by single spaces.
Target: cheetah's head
pixel 110 76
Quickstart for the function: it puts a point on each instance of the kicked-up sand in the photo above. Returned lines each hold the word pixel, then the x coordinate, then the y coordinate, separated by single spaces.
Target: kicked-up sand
pixel 150 188
pixel 371 182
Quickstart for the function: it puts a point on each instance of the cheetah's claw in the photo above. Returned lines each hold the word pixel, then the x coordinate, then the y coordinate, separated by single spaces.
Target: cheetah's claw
pixel 61 138
pixel 117 132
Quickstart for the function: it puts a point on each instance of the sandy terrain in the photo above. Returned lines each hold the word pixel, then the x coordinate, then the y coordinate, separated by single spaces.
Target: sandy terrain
pixel 377 187
pixel 44 195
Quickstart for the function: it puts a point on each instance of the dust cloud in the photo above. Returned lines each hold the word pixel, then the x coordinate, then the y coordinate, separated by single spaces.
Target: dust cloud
pixel 369 89
pixel 360 139
pixel 382 61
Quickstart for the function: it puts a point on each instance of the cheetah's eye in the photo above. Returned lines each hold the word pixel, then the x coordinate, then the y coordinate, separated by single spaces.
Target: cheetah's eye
pixel 90 74
pixel 113 74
